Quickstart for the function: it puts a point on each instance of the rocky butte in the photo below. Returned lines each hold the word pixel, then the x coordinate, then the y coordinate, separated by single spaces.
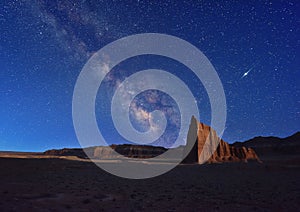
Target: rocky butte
pixel 210 148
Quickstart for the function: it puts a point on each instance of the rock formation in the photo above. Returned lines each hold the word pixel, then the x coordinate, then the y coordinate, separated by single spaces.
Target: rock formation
pixel 208 147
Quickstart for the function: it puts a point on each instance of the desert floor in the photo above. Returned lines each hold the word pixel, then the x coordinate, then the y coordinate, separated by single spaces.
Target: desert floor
pixel 52 184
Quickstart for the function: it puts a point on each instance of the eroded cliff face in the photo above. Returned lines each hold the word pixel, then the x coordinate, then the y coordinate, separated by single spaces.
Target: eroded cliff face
pixel 67 152
pixel 227 153
pixel 210 148
pixel 103 152
pixel 127 150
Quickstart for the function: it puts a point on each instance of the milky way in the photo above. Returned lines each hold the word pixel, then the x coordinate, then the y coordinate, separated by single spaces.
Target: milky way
pixel 45 44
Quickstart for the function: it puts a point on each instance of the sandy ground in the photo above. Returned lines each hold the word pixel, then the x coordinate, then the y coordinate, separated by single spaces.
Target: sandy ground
pixel 52 184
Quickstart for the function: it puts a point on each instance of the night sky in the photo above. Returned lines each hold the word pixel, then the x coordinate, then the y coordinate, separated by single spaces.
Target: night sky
pixel 45 44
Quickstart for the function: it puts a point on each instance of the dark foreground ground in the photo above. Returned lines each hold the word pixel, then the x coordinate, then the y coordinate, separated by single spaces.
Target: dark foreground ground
pixel 65 185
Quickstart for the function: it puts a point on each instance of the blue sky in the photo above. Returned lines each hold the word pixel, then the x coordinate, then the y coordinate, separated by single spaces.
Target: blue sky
pixel 45 44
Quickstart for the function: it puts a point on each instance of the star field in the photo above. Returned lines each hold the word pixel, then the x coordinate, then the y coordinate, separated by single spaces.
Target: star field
pixel 45 44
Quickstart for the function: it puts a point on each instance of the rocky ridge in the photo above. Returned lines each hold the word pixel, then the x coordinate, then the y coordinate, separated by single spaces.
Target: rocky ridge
pixel 207 148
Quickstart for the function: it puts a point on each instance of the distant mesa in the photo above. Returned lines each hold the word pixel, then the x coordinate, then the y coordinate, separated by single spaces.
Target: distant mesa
pixel 271 147
pixel 108 152
pixel 128 150
pixel 215 150
pixel 67 152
